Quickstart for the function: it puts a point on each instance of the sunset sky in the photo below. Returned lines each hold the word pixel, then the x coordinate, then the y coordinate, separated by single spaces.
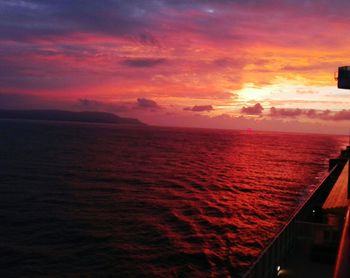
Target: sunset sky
pixel 240 64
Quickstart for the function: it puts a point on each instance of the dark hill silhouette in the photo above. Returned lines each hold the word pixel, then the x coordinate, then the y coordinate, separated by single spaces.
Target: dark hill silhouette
pixel 69 116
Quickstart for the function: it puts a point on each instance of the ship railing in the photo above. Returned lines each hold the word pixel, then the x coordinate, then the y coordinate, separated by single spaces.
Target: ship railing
pixel 268 264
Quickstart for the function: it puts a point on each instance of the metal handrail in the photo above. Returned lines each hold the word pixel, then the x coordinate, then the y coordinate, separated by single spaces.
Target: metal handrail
pixel 291 220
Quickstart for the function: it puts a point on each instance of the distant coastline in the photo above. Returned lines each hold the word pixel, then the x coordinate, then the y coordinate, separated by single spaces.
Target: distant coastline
pixel 69 116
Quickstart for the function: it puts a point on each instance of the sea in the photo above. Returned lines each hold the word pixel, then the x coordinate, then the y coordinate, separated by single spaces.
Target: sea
pixel 101 200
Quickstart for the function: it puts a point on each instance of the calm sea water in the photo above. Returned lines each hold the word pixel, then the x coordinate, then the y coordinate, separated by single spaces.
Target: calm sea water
pixel 102 200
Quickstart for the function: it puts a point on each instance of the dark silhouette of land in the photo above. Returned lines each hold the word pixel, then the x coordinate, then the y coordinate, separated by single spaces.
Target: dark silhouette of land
pixel 68 116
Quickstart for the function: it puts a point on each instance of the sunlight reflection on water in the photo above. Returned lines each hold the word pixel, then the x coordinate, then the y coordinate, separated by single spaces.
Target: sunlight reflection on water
pixel 99 199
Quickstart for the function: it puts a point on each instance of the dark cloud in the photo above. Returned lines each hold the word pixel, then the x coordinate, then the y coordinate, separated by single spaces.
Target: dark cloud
pixel 326 115
pixel 29 19
pixel 199 108
pixel 147 103
pixel 274 112
pixel 148 39
pixel 252 110
pixel 341 115
pixel 311 113
pixel 143 62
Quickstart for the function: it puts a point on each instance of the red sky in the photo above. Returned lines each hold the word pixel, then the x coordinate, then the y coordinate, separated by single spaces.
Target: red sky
pixel 265 65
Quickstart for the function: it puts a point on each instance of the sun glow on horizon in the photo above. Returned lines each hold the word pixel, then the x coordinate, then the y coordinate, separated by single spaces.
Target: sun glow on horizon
pixel 187 59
